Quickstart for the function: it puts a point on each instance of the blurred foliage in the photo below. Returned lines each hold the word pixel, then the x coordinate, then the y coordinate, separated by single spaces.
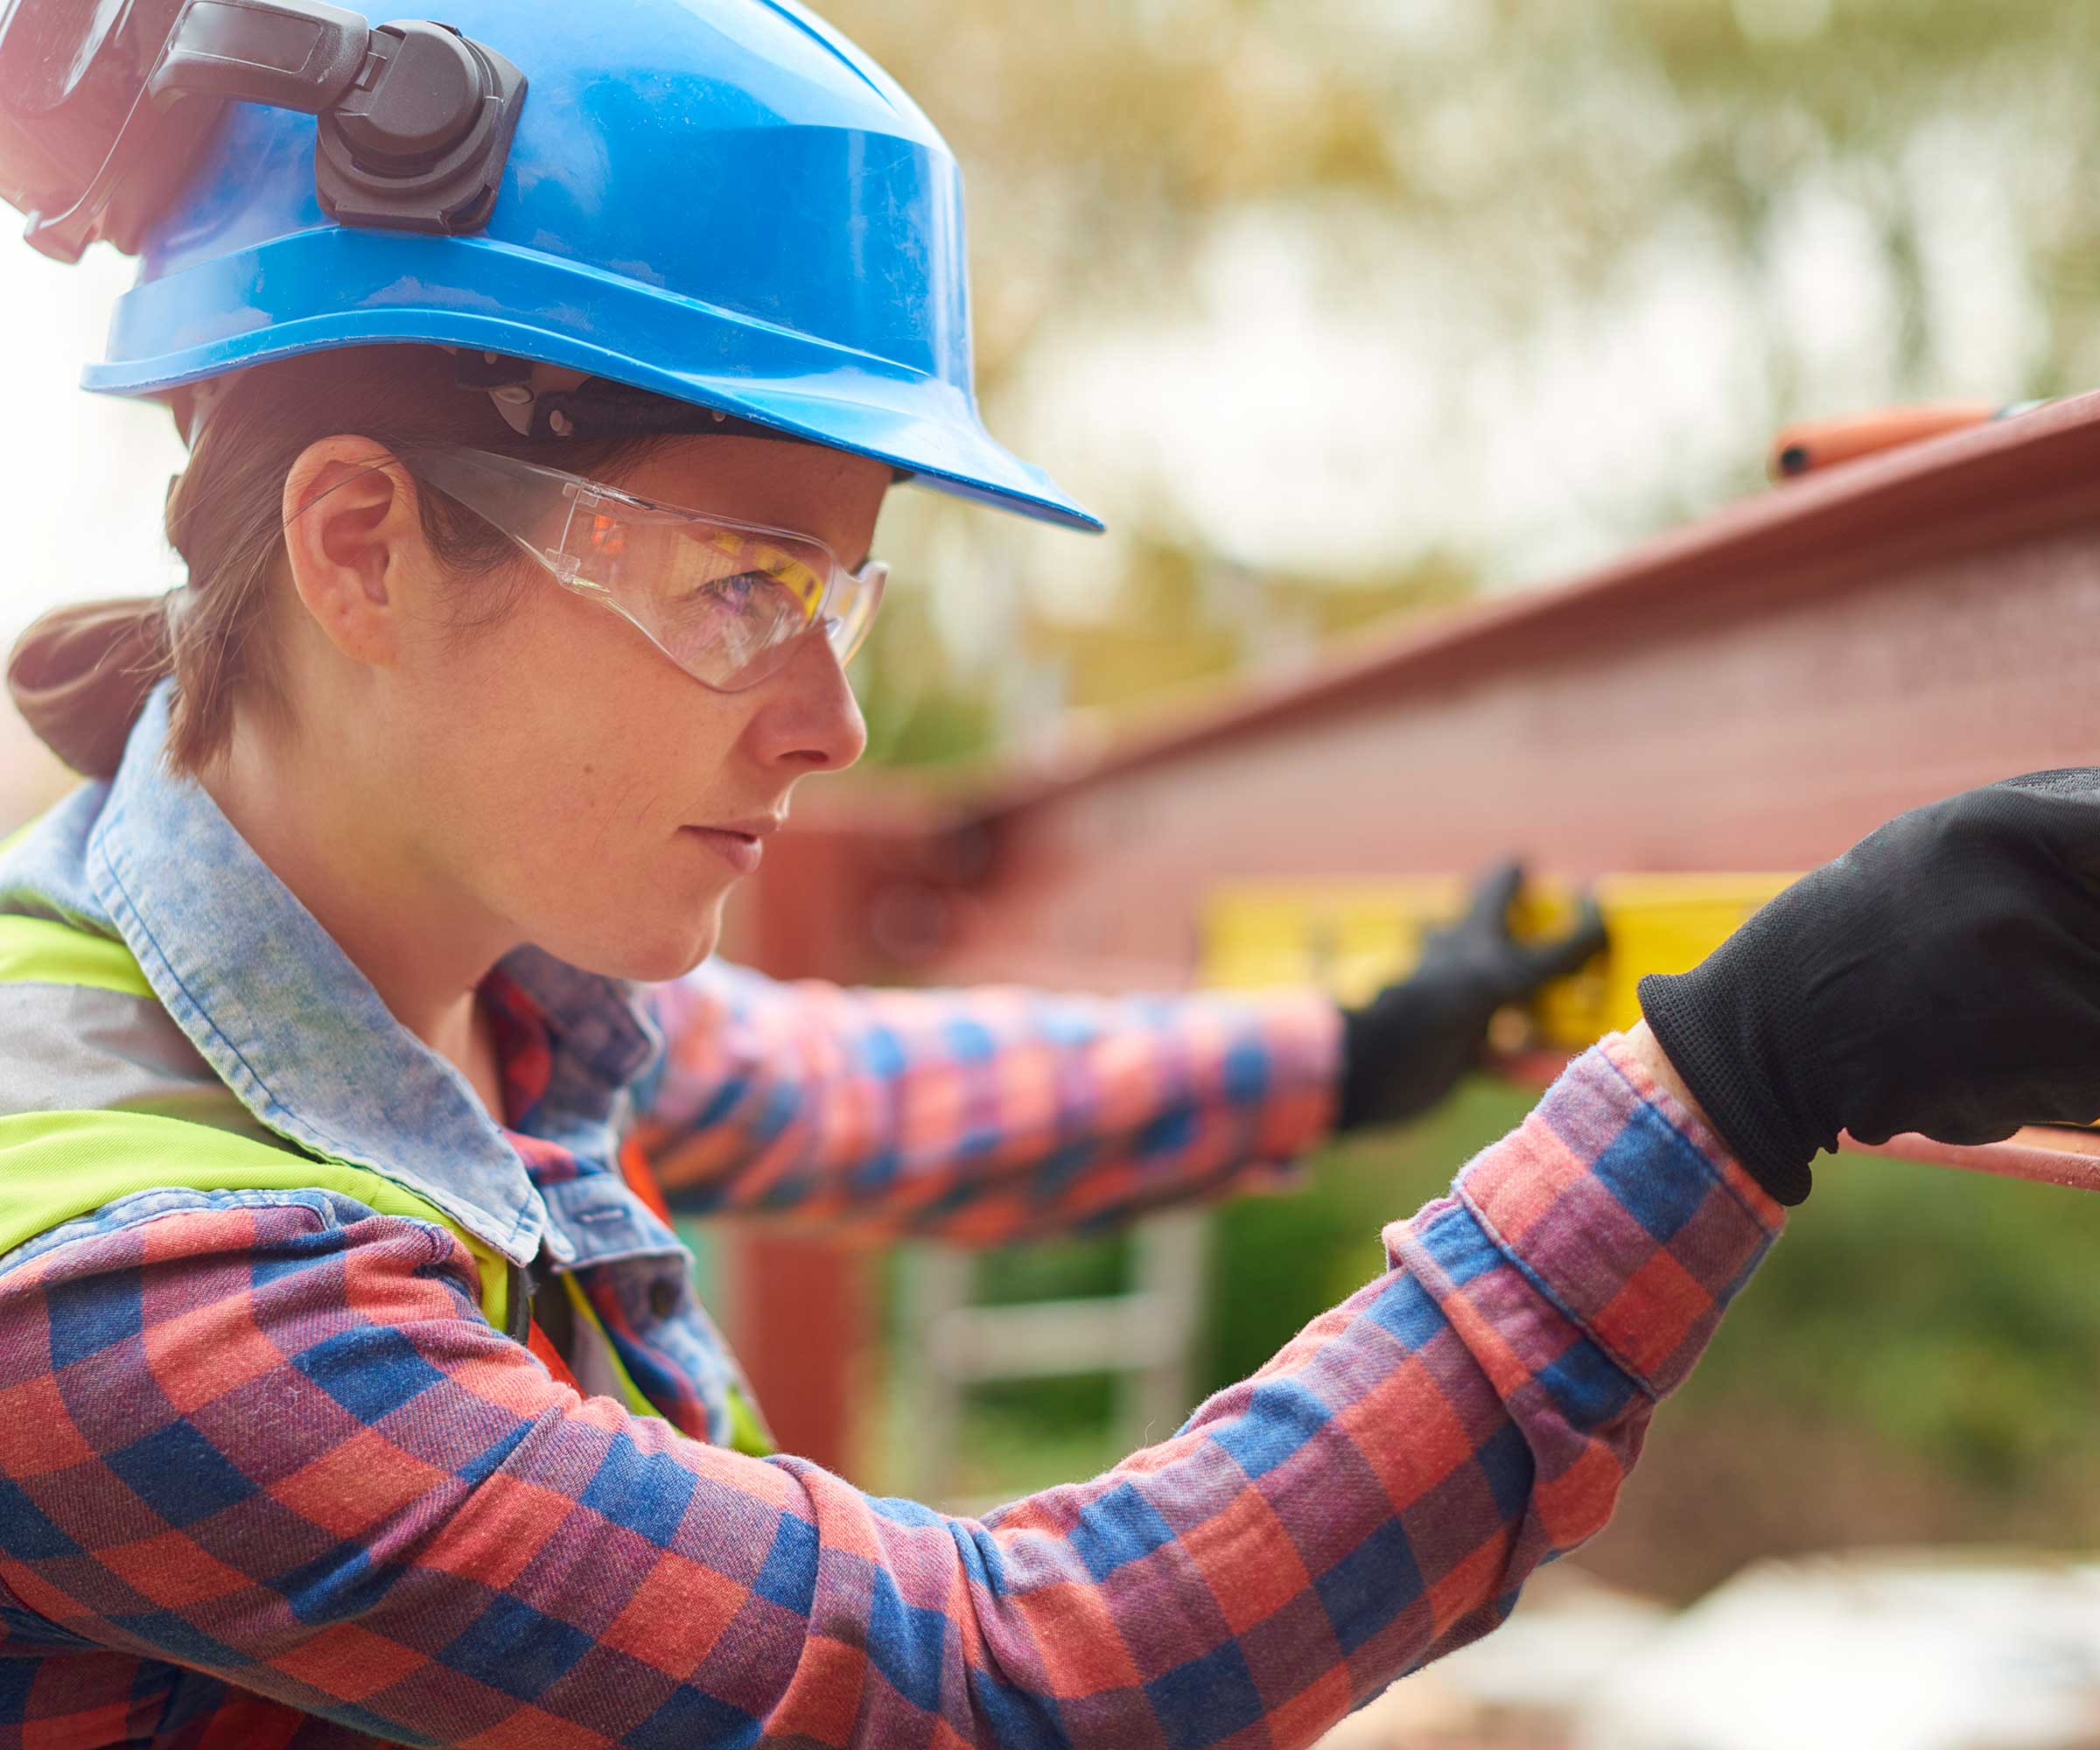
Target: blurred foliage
pixel 919 713
pixel 1169 633
pixel 1548 138
pixel 1576 260
pixel 1184 622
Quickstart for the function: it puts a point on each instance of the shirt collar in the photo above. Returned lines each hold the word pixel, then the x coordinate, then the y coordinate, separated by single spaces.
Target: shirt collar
pixel 299 1034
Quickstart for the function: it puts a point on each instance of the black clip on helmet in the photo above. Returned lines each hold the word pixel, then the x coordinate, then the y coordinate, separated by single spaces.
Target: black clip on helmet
pixel 105 103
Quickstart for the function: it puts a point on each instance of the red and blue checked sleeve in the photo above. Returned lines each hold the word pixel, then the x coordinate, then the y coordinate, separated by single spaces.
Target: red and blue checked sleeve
pixel 250 1459
pixel 983 1115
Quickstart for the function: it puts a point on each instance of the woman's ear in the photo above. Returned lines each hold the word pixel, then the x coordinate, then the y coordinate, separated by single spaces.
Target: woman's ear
pixel 353 535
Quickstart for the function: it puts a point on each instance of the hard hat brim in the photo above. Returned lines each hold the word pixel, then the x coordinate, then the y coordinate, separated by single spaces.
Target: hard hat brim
pixel 378 287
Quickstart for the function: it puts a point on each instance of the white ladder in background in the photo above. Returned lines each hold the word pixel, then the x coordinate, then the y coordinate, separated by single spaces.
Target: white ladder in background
pixel 1145 1337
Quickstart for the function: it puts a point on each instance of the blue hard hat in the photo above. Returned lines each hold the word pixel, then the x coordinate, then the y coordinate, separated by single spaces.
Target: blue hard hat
pixel 721 201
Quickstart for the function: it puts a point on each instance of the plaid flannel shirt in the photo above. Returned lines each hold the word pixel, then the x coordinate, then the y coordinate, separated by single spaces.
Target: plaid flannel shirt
pixel 268 1478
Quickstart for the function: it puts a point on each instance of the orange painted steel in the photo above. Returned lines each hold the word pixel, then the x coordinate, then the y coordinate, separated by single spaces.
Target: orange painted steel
pixel 1826 442
pixel 1755 692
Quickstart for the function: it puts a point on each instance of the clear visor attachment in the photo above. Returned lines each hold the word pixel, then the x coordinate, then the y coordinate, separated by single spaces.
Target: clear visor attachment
pixel 724 600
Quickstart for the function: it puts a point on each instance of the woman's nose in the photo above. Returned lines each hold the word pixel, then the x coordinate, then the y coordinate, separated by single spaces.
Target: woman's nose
pixel 808 717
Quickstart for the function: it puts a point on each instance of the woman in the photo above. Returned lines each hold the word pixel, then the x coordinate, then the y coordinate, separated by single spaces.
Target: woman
pixel 352 1388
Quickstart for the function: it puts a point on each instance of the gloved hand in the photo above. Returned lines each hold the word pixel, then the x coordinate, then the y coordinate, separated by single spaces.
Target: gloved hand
pixel 1406 1049
pixel 1943 976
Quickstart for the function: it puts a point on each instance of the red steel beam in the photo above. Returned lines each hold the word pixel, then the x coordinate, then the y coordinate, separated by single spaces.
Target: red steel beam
pixel 1752 693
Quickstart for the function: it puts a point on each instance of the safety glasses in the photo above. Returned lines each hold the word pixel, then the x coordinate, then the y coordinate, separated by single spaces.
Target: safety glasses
pixel 726 601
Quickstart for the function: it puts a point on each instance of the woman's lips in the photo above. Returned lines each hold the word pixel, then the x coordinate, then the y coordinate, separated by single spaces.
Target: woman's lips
pixel 742 851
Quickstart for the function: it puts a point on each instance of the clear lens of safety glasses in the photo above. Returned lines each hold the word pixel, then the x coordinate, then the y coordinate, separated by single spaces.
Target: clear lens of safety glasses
pixel 724 600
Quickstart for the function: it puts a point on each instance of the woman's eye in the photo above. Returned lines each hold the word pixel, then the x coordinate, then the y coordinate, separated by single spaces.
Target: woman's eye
pixel 730 594
pixel 737 591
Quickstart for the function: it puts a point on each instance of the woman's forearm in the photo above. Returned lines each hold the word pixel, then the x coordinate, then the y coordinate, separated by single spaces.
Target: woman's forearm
pixel 1644 1048
pixel 982 1116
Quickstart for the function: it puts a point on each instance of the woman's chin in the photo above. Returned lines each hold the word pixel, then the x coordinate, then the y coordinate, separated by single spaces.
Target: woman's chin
pixel 646 956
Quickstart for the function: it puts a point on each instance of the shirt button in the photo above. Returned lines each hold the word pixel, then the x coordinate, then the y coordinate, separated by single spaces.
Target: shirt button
pixel 663 1296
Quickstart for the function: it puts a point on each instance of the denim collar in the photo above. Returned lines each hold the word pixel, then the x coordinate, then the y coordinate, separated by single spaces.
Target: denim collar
pixel 296 1031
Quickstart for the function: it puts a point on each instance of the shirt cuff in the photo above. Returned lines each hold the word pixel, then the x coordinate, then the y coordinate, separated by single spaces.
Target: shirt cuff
pixel 1627 1213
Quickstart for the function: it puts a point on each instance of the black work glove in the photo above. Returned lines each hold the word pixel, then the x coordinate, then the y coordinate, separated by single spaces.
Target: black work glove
pixel 1406 1049
pixel 1943 976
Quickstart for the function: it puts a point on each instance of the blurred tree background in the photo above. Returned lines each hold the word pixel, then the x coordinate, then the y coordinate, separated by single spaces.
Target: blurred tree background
pixel 1340 308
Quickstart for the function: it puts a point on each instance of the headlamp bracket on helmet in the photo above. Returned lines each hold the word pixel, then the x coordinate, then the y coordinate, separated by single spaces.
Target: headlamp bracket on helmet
pixel 104 104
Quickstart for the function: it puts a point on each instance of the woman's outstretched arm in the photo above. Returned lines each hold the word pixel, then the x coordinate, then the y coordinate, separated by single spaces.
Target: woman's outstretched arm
pixel 981 1116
